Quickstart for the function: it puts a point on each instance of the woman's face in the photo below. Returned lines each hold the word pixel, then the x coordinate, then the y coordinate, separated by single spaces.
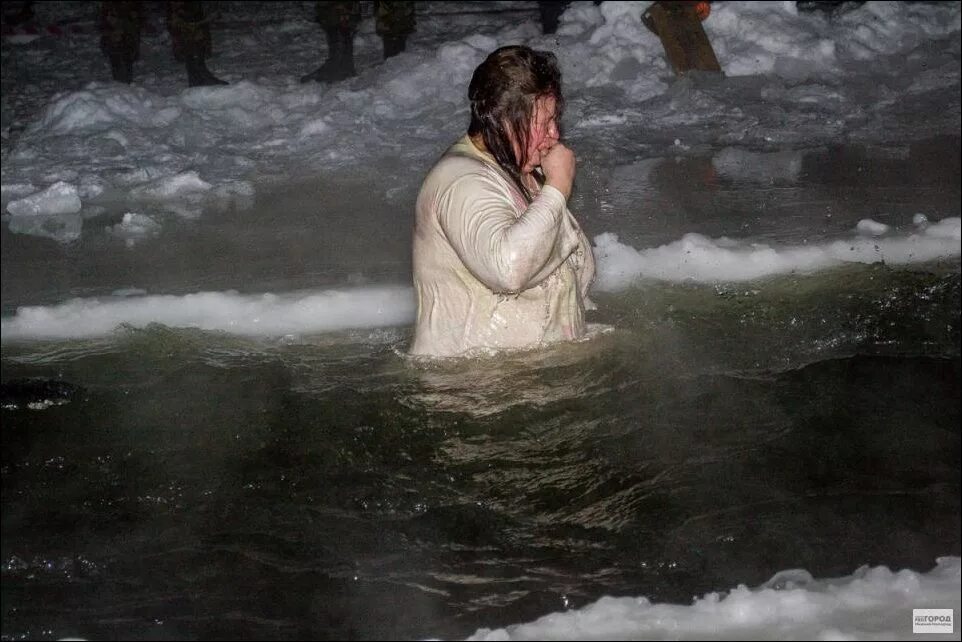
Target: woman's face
pixel 542 133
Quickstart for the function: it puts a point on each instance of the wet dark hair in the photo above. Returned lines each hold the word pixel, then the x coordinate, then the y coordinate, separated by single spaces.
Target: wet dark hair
pixel 503 92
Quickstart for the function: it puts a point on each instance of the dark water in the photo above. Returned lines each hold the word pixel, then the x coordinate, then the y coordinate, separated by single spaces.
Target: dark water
pixel 197 485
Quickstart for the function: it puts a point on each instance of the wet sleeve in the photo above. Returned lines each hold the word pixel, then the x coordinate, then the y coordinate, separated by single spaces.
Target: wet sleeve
pixel 506 252
pixel 586 261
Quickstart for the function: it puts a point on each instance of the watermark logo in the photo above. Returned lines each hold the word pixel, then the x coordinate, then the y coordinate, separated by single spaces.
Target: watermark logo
pixel 933 621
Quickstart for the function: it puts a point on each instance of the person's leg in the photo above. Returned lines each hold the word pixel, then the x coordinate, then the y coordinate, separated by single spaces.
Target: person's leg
pixel 339 21
pixel 120 24
pixel 395 21
pixel 190 38
pixel 678 26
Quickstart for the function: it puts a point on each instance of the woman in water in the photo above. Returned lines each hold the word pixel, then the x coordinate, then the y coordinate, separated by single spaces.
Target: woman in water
pixel 499 261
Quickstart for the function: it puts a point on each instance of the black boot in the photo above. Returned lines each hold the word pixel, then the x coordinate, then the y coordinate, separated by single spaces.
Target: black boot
pixel 340 58
pixel 393 45
pixel 827 7
pixel 122 67
pixel 550 13
pixel 198 75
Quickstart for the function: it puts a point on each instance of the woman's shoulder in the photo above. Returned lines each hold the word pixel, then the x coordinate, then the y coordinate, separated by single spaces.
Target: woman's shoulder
pixel 457 165
pixel 453 160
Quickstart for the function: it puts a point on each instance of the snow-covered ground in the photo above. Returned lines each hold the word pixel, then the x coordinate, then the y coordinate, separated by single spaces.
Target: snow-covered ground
pixel 73 140
pixel 871 604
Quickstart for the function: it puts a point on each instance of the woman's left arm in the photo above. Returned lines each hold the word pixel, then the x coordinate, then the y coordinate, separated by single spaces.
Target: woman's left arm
pixel 585 257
